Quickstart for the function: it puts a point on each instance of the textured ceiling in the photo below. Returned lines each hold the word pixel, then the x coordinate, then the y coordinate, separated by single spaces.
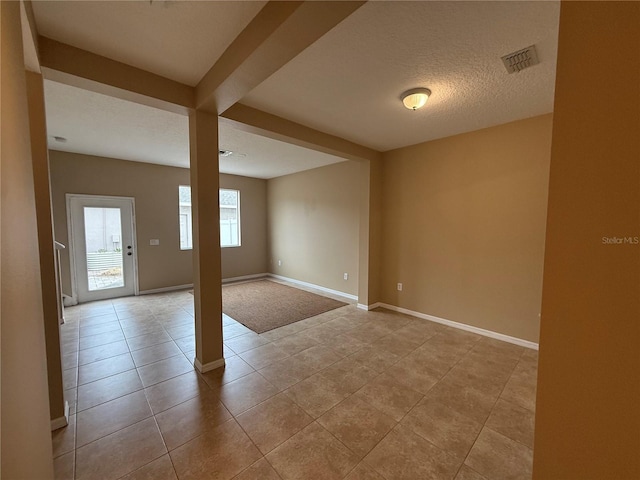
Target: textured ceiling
pixel 349 82
pixel 95 124
pixel 180 40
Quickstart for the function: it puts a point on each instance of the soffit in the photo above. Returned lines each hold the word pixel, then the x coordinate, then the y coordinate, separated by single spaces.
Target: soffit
pixel 96 124
pixel 349 82
pixel 179 40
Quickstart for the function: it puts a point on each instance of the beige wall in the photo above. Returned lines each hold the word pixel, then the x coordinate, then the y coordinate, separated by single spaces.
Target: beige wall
pixel 463 222
pixel 155 189
pixel 314 225
pixel 588 405
pixel 25 432
pixel 251 257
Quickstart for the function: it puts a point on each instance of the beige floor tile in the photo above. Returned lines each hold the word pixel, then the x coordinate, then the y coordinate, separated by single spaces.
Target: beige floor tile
pixel 159 469
pixel 233 369
pixel 71 344
pixel 496 456
pixel 411 374
pixel 182 331
pixel 357 424
pixel 109 388
pixel 189 419
pixel 104 368
pixel 263 355
pixel 363 472
pixel 404 455
pixel 467 473
pixel 164 369
pixel 246 392
pixel 70 378
pixel 321 333
pixel 444 427
pixel 135 329
pixel 64 439
pixel 390 397
pixel 245 342
pixel 261 470
pixel 142 341
pixel 102 352
pixel 349 375
pixel 521 389
pixel 219 454
pixel 110 417
pixel 312 453
pixel 368 333
pixel 316 395
pixel 97 317
pixel 435 359
pixel 174 391
pixel 286 373
pixel 120 453
pixel 69 360
pixel 87 330
pixel 101 339
pixel 345 345
pixel 484 379
pixel 152 354
pixel 294 343
pixel 464 399
pixel 64 467
pixel 375 358
pixel 272 422
pixel 397 344
pixel 512 421
pixel 234 329
pixel 186 344
pixel 318 357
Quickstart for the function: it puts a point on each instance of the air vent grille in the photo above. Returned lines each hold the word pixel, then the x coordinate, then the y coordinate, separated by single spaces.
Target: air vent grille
pixel 517 61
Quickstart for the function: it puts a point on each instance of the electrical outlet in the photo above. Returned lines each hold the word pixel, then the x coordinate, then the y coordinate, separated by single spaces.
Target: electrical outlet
pixel 399 287
pixel 346 276
pixel 279 263
pixel 154 241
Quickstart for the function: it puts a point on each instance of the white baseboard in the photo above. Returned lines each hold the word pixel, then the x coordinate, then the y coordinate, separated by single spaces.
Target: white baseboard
pixel 207 367
pixel 317 287
pixel 69 301
pixel 63 421
pixel 166 289
pixel 244 278
pixel 463 326
pixel 362 306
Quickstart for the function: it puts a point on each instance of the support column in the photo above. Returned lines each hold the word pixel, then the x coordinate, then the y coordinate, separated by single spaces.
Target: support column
pixel 58 409
pixel 369 242
pixel 207 270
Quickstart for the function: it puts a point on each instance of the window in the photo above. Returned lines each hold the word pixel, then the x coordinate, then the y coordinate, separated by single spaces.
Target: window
pixel 229 218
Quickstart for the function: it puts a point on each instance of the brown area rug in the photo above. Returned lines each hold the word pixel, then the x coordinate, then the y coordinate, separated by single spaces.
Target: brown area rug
pixel 264 305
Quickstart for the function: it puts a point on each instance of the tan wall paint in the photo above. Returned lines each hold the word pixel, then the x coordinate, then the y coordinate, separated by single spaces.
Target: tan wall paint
pixel 463 223
pixel 48 264
pixel 251 257
pixel 588 405
pixel 314 225
pixel 24 406
pixel 155 189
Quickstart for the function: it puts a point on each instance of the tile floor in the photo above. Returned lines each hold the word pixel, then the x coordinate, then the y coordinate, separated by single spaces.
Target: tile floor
pixel 347 394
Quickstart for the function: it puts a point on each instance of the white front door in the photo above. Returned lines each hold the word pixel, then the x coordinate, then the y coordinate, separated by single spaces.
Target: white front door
pixel 103 253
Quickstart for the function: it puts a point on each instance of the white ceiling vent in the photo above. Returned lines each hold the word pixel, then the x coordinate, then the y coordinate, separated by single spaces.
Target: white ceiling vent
pixel 524 58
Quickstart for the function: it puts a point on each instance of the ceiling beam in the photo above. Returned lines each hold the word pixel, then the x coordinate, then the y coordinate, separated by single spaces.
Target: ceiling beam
pixel 74 66
pixel 267 125
pixel 277 34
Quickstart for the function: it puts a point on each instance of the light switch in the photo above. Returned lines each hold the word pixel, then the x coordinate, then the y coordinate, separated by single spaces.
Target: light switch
pixel 154 241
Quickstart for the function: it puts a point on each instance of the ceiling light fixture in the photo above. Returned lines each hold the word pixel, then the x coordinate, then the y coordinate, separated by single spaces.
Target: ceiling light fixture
pixel 415 98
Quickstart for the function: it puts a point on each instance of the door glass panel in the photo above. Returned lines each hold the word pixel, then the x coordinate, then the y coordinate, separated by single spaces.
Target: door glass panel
pixel 103 236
